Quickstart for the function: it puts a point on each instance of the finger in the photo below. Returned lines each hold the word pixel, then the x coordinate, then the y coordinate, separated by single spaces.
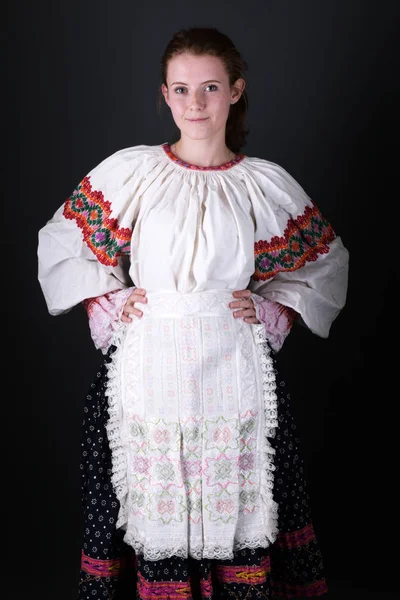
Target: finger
pixel 252 320
pixel 241 293
pixel 136 298
pixel 130 303
pixel 134 312
pixel 137 292
pixel 242 304
pixel 249 312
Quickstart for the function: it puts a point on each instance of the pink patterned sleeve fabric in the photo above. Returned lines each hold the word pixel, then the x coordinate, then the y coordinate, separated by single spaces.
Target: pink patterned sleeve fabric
pixel 104 314
pixel 277 319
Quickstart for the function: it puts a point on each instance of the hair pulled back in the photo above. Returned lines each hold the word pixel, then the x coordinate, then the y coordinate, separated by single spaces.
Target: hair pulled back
pixel 201 41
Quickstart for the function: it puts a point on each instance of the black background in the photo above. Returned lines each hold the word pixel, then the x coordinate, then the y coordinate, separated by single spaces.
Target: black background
pixel 82 82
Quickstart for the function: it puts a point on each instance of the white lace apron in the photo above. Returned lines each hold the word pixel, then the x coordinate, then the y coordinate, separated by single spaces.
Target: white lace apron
pixel 192 403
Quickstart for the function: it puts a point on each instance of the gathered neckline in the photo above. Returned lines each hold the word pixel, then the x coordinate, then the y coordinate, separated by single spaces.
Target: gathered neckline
pixel 224 167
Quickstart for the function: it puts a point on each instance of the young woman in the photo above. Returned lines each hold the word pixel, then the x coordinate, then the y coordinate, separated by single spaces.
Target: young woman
pixel 193 261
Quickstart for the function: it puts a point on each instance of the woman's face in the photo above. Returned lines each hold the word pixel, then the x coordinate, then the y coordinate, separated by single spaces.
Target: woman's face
pixel 199 95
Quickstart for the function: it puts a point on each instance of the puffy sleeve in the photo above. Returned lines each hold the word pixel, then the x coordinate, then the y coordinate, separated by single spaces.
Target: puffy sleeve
pixel 300 263
pixel 84 249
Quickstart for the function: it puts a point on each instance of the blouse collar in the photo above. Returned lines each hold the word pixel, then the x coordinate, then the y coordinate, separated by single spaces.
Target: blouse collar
pixel 224 167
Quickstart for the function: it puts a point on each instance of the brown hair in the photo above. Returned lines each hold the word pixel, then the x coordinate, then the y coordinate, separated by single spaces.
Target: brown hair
pixel 209 41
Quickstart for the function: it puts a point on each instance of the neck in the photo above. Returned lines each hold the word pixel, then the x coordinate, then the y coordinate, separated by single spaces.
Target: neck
pixel 202 153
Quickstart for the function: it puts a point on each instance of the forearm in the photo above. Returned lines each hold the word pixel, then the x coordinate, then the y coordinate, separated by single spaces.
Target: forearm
pixel 104 314
pixel 276 318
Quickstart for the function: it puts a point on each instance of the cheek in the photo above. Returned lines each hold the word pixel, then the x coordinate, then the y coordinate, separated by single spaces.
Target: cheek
pixel 222 110
pixel 177 106
pixel 220 104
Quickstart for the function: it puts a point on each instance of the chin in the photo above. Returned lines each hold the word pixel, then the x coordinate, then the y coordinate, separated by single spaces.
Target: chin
pixel 204 135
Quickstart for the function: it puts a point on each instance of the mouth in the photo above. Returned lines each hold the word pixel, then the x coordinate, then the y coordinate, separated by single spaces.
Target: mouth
pixel 197 120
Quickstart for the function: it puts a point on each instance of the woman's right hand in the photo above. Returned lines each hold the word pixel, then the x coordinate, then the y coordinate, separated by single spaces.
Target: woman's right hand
pixel 129 311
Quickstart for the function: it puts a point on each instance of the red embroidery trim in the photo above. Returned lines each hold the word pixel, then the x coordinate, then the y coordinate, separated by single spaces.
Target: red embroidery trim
pixel 174 590
pixel 251 575
pixel 237 159
pixel 100 568
pixel 297 538
pixel 304 239
pixel 101 233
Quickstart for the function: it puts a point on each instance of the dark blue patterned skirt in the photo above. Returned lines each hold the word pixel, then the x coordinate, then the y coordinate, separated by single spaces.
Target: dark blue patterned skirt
pixel 292 567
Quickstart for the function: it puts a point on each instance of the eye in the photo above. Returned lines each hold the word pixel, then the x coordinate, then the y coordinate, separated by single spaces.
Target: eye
pixel 179 90
pixel 212 87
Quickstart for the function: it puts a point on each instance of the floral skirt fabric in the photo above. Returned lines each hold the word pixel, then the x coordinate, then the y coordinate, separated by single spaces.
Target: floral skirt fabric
pixel 292 567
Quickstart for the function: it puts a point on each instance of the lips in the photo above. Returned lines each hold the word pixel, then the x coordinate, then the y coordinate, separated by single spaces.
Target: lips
pixel 197 120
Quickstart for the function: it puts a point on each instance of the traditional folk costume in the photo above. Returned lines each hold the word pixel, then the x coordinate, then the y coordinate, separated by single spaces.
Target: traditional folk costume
pixel 193 485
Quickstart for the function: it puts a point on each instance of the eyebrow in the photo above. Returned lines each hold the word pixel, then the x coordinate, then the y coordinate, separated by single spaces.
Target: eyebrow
pixel 209 81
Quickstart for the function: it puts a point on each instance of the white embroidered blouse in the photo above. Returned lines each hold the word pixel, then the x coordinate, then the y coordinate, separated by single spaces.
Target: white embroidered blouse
pixel 144 216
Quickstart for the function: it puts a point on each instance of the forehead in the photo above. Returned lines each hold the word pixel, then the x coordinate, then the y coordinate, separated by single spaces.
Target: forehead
pixel 187 68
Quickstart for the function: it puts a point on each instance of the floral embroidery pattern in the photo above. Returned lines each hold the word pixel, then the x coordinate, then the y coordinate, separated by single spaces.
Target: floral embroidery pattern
pixel 221 472
pixel 101 233
pixel 166 507
pixel 221 434
pixel 184 465
pixel 303 240
pixel 221 507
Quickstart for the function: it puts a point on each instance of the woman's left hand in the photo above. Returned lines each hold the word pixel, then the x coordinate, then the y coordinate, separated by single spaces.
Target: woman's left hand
pixel 245 303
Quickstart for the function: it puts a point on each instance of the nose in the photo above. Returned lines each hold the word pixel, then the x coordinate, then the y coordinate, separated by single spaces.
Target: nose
pixel 197 101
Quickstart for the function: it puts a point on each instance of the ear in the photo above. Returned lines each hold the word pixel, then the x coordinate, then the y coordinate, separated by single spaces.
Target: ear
pixel 164 91
pixel 237 90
